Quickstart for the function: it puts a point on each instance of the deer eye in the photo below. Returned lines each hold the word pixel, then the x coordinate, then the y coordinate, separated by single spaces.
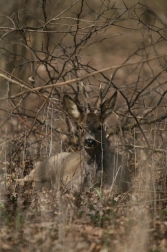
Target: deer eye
pixel 99 127
pixel 81 129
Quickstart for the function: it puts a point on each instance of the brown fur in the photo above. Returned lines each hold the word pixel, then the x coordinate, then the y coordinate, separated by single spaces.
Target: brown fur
pixel 94 165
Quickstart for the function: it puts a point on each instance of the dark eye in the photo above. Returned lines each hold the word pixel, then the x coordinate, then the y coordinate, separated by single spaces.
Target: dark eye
pixel 99 128
pixel 81 129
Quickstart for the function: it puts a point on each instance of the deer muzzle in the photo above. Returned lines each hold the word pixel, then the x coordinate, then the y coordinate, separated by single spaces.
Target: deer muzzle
pixel 89 143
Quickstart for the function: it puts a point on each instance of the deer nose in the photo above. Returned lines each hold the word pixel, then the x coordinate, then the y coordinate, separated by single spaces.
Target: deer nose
pixel 90 142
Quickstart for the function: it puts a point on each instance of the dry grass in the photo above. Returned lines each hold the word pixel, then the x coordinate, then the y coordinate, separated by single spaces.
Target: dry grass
pixel 33 126
pixel 93 221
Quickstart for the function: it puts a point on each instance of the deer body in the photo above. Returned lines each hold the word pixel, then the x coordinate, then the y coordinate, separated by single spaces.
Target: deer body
pixel 95 164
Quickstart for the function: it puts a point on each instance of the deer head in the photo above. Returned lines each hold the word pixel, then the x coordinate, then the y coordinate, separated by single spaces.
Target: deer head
pixel 91 122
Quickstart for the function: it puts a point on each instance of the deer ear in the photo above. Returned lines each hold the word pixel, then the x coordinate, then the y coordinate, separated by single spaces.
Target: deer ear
pixel 107 107
pixel 72 108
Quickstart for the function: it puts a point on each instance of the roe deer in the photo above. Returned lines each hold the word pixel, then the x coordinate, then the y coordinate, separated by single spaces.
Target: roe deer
pixel 82 169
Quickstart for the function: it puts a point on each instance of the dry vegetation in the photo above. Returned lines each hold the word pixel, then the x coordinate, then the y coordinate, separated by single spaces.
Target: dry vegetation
pixel 48 49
